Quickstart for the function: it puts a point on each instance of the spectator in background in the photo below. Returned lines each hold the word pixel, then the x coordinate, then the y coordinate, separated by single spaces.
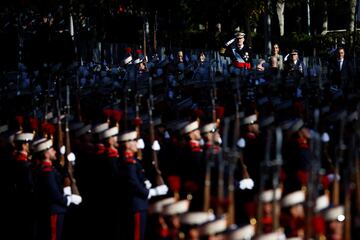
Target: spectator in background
pixel 276 62
pixel 293 68
pixel 340 71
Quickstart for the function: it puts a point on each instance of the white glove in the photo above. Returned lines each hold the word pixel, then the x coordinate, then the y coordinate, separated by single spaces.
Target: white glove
pixel 241 143
pixel 140 143
pixel 156 145
pixel 152 193
pixel 68 199
pixel 147 184
pixel 67 191
pixel 158 191
pixel 62 150
pixel 162 189
pixel 230 42
pixel 246 183
pixel 76 199
pixel 71 157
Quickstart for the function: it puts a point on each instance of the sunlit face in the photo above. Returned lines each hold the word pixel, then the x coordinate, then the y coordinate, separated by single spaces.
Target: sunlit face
pixel 341 53
pixel 335 230
pixel 51 154
pixel 132 146
pixel 113 141
pixel 202 57
pixel 240 41
pixel 276 49
pixel 195 135
pixel 26 146
pixel 294 56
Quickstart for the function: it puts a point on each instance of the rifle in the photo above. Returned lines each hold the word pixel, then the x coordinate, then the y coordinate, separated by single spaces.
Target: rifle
pixel 138 119
pixel 275 179
pixel 159 180
pixel 263 177
pixel 339 159
pixel 145 32
pixel 207 183
pixel 155 31
pixel 69 165
pixel 78 97
pixel 313 182
pixel 232 165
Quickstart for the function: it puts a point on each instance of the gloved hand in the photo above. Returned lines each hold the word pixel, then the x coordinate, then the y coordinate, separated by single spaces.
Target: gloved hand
pixel 152 193
pixel 246 183
pixel 76 199
pixel 155 146
pixel 147 184
pixel 140 143
pixel 71 157
pixel 62 150
pixel 158 191
pixel 68 199
pixel 67 190
pixel 162 189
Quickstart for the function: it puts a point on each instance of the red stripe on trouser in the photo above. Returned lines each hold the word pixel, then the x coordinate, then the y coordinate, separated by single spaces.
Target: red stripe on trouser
pixel 137 226
pixel 53 221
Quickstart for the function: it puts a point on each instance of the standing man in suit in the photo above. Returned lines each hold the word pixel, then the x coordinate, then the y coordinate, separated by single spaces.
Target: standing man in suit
pixel 341 71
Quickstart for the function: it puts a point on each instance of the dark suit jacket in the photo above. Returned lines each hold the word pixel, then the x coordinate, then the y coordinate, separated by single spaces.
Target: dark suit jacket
pixel 341 78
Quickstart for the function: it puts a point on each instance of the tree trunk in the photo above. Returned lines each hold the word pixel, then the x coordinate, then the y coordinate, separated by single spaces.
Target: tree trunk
pixel 267 28
pixel 352 20
pixel 280 6
pixel 325 20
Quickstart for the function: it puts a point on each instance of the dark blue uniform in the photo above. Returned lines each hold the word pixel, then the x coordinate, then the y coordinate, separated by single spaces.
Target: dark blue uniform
pixel 136 195
pixel 24 195
pixel 51 202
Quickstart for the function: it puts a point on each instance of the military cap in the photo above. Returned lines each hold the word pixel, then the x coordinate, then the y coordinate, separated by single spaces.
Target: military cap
pixel 76 126
pixel 43 146
pixel 25 137
pixel 191 127
pixel 37 141
pixel 109 133
pixel 352 116
pixel 158 206
pixel 239 35
pixel 297 125
pixel 101 127
pixel 178 207
pixel 128 136
pixel 4 128
pixel 293 198
pixel 213 227
pixel 83 130
pixel 241 233
pixel 266 121
pixel 176 125
pixel 140 56
pixel 210 127
pixel 335 213
pixel 268 195
pixel 322 202
pixel 196 218
pixel 271 236
pixel 294 51
pixel 249 120
pixel 127 60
